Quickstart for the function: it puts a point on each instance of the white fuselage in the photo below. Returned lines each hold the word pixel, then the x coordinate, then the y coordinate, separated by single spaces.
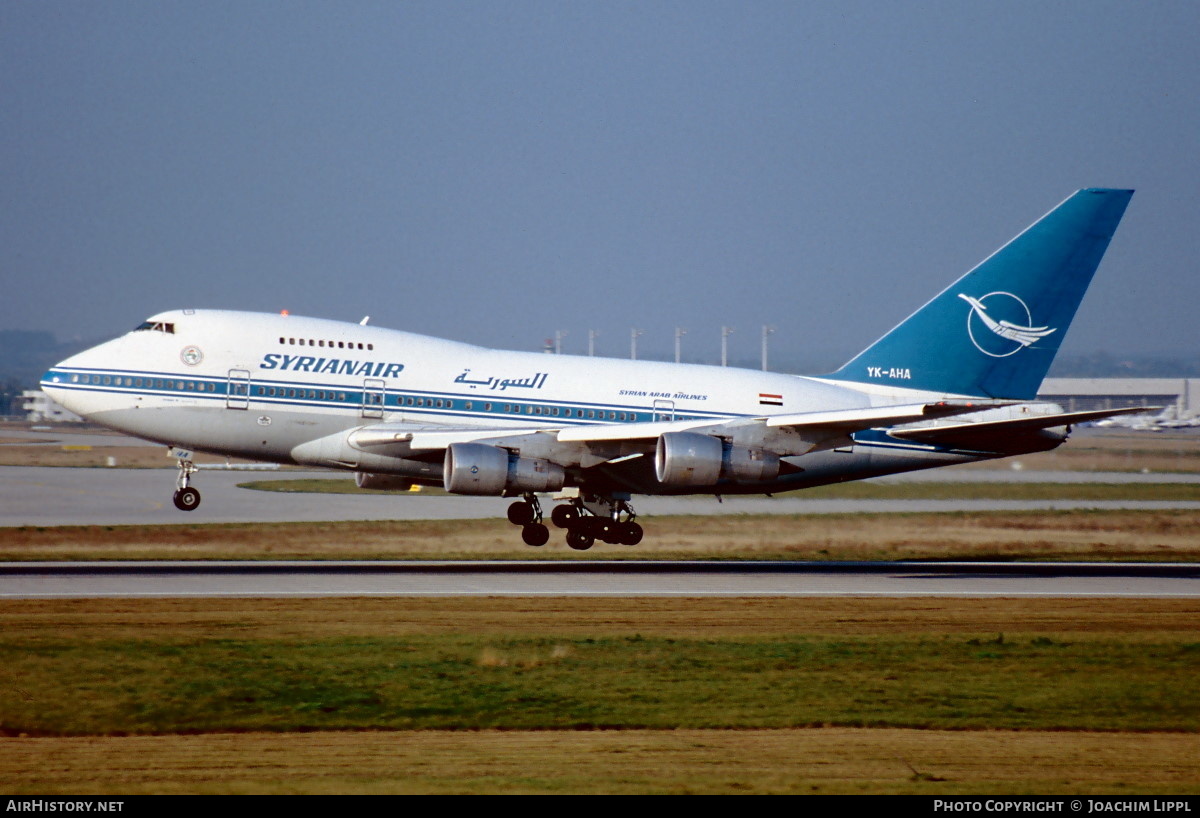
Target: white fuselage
pixel 266 386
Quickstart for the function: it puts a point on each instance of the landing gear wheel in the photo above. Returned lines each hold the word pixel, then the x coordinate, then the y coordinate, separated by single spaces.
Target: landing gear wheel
pixel 610 532
pixel 521 513
pixel 186 499
pixel 563 516
pixel 580 538
pixel 629 533
pixel 535 534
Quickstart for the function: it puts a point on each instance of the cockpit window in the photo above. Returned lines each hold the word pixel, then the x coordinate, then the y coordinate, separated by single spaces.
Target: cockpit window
pixel 156 326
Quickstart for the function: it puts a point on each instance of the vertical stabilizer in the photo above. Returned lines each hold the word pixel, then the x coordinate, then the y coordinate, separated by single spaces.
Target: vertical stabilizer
pixel 995 331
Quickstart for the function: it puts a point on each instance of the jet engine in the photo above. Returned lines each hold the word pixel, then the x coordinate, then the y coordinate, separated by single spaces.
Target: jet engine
pixel 690 459
pixel 687 459
pixel 475 468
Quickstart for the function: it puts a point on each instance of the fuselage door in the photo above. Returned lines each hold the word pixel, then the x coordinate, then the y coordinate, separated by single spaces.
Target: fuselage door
pixel 373 392
pixel 237 392
pixel 664 410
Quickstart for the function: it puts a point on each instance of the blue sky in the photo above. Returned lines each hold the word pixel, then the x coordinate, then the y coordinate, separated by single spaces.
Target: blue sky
pixel 495 171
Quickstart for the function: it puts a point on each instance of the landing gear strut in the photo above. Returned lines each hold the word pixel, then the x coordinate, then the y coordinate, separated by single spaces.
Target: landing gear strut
pixel 186 498
pixel 527 513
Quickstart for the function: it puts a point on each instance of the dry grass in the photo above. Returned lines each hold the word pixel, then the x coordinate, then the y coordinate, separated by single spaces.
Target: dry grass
pixel 819 761
pixel 1103 535
pixel 183 620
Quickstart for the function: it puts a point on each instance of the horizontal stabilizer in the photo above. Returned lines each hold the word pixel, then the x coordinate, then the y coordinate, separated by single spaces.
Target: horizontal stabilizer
pixel 985 434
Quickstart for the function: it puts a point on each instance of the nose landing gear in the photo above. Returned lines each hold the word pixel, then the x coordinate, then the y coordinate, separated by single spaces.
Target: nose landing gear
pixel 186 498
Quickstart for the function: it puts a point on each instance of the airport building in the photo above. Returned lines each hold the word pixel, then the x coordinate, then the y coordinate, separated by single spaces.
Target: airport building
pixel 1180 396
pixel 41 408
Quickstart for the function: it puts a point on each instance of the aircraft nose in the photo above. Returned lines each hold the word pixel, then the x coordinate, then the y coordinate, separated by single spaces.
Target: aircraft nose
pixel 58 384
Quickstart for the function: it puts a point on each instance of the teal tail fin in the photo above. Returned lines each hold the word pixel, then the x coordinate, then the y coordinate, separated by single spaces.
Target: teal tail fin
pixel 995 331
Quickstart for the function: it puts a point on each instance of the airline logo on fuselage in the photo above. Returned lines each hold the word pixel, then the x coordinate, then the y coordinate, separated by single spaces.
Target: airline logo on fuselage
pixel 330 366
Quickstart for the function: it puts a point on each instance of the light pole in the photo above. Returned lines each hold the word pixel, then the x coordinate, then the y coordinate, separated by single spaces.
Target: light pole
pixel 679 333
pixel 559 334
pixel 767 330
pixel 633 336
pixel 725 333
pixel 592 343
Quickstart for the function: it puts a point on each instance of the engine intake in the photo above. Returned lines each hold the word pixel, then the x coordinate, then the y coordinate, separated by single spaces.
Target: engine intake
pixel 476 468
pixel 687 459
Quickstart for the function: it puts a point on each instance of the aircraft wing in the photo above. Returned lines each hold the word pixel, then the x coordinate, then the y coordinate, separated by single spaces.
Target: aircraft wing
pixel 984 434
pixel 802 431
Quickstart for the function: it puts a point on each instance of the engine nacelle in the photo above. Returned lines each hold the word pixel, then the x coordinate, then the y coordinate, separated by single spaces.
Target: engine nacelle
pixel 531 474
pixel 690 459
pixel 472 468
pixel 749 465
pixel 382 482
pixel 687 459
pixel 475 468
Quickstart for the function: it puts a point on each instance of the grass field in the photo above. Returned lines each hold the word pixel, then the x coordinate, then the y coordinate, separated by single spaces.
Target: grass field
pixel 932 697
pixel 594 695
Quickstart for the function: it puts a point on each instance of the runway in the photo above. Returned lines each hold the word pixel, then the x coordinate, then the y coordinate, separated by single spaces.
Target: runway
pixel 577 578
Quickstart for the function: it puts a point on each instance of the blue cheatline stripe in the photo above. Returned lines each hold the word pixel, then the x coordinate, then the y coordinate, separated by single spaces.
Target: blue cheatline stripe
pixel 353 401
pixel 352 398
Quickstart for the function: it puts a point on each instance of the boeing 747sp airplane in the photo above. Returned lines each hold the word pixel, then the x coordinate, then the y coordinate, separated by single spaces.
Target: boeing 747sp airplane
pixel 954 383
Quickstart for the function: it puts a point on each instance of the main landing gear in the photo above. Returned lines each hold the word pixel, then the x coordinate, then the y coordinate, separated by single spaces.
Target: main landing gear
pixel 527 513
pixel 600 518
pixel 186 498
